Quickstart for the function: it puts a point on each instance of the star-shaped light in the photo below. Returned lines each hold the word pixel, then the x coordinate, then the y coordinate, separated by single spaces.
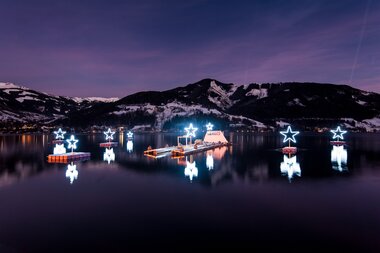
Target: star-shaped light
pixel 109 155
pixel 190 170
pixel 338 133
pixel 72 172
pixel 109 134
pixel 59 149
pixel 289 134
pixel 129 134
pixel 290 167
pixel 59 135
pixel 190 131
pixel 72 143
pixel 209 126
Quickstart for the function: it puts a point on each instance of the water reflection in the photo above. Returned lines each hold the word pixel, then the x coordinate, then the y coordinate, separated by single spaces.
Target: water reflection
pixel 109 155
pixel 59 149
pixel 210 161
pixel 290 167
pixel 191 170
pixel 130 146
pixel 72 172
pixel 339 158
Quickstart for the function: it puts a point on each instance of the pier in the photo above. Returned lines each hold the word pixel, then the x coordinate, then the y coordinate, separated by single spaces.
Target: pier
pixel 191 149
pixel 108 144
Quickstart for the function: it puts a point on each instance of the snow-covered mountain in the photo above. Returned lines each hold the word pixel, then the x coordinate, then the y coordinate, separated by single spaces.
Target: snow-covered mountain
pixel 252 106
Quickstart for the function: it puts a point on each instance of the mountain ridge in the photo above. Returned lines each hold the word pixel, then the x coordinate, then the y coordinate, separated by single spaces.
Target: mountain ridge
pixel 252 106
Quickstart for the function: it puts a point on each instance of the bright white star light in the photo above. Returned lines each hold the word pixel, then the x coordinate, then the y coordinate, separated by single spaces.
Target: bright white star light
pixel 72 143
pixel 109 155
pixel 129 146
pixel 129 135
pixel 338 133
pixel 109 134
pixel 190 131
pixel 72 172
pixel 59 149
pixel 209 126
pixel 289 134
pixel 190 170
pixel 290 167
pixel 59 135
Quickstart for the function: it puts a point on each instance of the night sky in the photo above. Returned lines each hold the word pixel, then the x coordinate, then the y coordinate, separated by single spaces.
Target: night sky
pixel 114 48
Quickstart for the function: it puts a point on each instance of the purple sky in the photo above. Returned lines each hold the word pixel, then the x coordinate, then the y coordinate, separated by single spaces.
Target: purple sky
pixel 114 48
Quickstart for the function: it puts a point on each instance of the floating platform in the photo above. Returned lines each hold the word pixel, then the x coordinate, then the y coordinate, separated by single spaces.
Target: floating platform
pixel 69 157
pixel 188 150
pixel 289 150
pixel 338 143
pixel 108 144
pixel 159 152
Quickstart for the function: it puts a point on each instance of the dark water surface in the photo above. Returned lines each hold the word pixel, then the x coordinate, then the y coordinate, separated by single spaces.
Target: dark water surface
pixel 243 196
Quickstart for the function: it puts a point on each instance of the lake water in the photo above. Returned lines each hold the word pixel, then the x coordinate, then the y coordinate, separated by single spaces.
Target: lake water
pixel 247 195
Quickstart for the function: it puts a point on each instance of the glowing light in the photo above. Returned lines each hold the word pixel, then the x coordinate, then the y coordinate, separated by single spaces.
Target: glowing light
pixel 339 158
pixel 109 155
pixel 191 170
pixel 72 172
pixel 338 133
pixel 210 162
pixel 59 135
pixel 109 134
pixel 289 134
pixel 290 167
pixel 209 126
pixel 59 149
pixel 129 135
pixel 190 131
pixel 72 143
pixel 129 146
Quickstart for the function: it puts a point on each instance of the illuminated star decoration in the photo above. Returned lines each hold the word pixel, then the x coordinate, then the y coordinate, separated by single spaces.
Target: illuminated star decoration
pixel 209 126
pixel 72 143
pixel 289 135
pixel 190 131
pixel 109 155
pixel 72 172
pixel 338 133
pixel 129 135
pixel 59 135
pixel 190 170
pixel 109 134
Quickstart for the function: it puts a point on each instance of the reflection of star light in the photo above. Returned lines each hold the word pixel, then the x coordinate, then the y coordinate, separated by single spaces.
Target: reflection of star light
pixel 59 135
pixel 129 146
pixel 109 155
pixel 190 131
pixel 109 134
pixel 72 172
pixel 289 134
pixel 338 133
pixel 72 143
pixel 209 126
pixel 190 170
pixel 339 158
pixel 210 162
pixel 59 149
pixel 129 135
pixel 290 167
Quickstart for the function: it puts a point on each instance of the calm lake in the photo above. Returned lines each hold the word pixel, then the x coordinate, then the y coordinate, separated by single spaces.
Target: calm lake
pixel 247 195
